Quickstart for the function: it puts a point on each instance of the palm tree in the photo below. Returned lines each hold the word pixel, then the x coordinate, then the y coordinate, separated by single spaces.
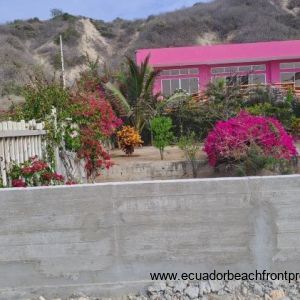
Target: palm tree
pixel 132 93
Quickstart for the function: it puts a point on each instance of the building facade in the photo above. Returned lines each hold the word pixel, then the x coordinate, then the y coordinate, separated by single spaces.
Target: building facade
pixel 192 68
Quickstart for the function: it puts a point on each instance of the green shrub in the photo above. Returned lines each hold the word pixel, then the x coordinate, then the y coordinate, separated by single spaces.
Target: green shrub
pixel 295 127
pixel 162 134
pixel 283 112
pixel 70 36
pixel 190 146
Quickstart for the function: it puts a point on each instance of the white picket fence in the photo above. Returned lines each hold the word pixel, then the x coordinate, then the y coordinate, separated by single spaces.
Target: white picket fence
pixel 18 142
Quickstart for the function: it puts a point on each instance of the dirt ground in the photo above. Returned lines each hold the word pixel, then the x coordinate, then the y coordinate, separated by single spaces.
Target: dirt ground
pixel 148 154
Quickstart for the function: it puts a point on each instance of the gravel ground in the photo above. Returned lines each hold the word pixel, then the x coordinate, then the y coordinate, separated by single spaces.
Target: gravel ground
pixel 210 290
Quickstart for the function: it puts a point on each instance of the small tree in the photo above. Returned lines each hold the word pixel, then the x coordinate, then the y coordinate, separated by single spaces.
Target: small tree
pixel 190 146
pixel 162 134
pixel 55 12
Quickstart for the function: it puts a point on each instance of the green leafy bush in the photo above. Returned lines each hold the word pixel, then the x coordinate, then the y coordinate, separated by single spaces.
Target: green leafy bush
pixel 162 134
pixel 190 146
pixel 70 36
pixel 283 111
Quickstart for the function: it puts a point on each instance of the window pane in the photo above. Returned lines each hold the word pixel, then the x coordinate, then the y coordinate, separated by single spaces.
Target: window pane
pixel 259 68
pixel 185 84
pixel 245 68
pixel 297 65
pixel 193 71
pixel 174 85
pixel 297 80
pixel 165 72
pixel 287 77
pixel 166 90
pixel 184 71
pixel 287 66
pixel 257 78
pixel 217 70
pixel 174 72
pixel 194 85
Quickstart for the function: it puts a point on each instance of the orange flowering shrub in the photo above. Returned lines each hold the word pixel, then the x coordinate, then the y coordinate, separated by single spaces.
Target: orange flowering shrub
pixel 129 138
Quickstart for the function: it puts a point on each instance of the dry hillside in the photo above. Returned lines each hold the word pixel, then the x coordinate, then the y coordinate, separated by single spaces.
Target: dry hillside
pixel 27 45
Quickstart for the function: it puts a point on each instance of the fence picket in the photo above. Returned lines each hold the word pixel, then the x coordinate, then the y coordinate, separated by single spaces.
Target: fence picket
pixel 18 142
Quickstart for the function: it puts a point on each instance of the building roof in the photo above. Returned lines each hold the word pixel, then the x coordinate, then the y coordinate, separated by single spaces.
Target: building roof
pixel 221 54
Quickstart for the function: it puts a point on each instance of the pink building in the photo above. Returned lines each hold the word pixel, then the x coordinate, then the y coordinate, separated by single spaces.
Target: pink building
pixel 192 68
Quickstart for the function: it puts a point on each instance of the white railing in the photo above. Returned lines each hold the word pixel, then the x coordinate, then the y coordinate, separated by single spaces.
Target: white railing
pixel 18 142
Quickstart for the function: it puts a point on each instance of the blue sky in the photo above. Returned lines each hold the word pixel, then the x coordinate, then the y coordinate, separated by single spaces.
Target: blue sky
pixel 99 9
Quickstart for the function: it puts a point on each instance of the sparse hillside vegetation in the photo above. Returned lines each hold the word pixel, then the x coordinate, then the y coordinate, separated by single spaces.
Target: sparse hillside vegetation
pixel 26 45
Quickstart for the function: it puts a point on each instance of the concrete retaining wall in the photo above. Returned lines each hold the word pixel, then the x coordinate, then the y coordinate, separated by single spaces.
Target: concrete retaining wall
pixel 104 239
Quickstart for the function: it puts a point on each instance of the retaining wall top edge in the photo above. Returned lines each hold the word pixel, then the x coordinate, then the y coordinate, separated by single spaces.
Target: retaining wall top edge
pixel 118 183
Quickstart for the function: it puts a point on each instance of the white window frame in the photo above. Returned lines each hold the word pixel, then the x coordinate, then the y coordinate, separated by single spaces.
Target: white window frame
pixel 170 79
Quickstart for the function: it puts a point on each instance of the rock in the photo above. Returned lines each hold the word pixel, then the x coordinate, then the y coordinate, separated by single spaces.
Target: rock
pixel 258 290
pixel 179 286
pixel 277 294
pixel 267 297
pixel 216 285
pixel 192 292
pixel 41 298
pixel 157 287
pixel 168 290
pixel 244 291
pixel 204 288
pixel 232 285
pixel 170 283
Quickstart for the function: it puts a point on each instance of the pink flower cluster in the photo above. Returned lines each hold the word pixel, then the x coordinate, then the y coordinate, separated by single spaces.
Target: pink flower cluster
pixel 232 139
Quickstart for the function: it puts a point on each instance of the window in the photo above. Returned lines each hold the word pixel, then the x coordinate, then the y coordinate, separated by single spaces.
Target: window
pixel 193 71
pixel 184 71
pixel 217 70
pixel 234 69
pixel 287 77
pixel 169 86
pixel 259 68
pixel 243 79
pixel 297 79
pixel 290 65
pixel 291 77
pixel 176 72
pixel 245 69
pixel 194 85
pixel 175 85
pixel 166 87
pixel 257 78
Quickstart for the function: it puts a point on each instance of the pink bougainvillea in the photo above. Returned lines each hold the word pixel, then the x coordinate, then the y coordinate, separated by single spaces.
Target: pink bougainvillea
pixel 233 139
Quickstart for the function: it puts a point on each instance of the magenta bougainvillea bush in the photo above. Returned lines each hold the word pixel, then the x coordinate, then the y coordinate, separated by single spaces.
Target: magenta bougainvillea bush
pixel 236 140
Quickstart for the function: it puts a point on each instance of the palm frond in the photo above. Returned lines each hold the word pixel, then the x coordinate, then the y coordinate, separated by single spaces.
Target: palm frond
pixel 120 100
